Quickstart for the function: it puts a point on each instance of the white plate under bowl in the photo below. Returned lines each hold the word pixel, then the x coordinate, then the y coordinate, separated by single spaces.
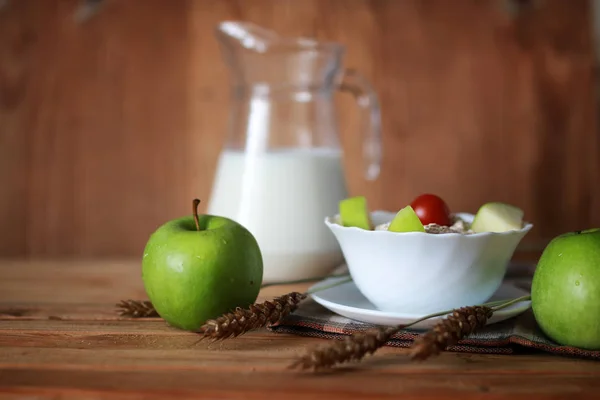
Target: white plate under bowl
pixel 347 301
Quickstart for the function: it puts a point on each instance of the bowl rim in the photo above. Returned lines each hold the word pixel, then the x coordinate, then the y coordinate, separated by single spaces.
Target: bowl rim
pixel 330 222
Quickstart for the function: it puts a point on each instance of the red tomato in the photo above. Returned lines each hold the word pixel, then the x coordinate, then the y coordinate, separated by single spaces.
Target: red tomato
pixel 431 209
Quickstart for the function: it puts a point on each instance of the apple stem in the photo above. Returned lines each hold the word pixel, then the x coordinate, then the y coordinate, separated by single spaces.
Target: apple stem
pixel 195 204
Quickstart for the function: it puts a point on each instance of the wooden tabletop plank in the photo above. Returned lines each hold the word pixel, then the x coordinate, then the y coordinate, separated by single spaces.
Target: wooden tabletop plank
pixel 373 383
pixel 266 352
pixel 43 283
pixel 65 340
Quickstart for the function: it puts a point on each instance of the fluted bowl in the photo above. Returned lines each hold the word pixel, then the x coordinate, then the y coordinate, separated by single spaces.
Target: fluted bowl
pixel 421 273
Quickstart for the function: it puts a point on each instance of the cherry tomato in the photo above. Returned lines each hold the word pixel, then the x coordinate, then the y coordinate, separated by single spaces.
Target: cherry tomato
pixel 431 209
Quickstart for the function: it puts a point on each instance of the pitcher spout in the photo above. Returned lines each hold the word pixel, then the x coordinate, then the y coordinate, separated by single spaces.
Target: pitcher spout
pixel 261 58
pixel 246 35
pixel 249 36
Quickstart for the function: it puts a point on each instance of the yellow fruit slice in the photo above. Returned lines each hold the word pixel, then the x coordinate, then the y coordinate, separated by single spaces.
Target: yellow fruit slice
pixel 497 217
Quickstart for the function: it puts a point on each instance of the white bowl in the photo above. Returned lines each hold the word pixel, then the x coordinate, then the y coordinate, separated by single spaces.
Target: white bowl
pixel 422 273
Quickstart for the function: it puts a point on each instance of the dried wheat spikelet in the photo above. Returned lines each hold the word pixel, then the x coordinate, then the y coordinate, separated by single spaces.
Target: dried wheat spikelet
pixel 351 348
pixel 449 331
pixel 137 309
pixel 256 316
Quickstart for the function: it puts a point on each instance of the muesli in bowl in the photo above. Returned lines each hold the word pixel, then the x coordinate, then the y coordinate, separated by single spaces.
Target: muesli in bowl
pixel 423 258
pixel 457 225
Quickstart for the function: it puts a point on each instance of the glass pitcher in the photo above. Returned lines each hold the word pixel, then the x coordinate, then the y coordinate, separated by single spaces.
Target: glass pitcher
pixel 281 172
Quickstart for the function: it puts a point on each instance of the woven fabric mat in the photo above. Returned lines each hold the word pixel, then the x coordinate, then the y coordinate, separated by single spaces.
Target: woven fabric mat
pixel 513 336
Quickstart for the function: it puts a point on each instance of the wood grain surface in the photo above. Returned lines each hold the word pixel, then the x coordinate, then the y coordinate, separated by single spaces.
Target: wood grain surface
pixel 60 338
pixel 109 127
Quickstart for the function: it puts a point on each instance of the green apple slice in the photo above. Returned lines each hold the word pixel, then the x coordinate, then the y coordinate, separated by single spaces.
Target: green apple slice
pixel 497 217
pixel 354 212
pixel 406 220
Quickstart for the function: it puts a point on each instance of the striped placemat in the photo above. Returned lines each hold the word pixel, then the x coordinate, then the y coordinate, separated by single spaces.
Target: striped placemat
pixel 512 336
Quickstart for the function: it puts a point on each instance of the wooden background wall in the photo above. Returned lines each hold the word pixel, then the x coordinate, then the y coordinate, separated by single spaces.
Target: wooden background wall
pixel 109 127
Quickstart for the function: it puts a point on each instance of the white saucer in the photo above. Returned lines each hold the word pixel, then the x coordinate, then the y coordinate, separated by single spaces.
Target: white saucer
pixel 346 300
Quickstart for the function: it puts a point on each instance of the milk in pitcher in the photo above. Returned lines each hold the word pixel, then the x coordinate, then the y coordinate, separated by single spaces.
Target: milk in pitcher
pixel 282 196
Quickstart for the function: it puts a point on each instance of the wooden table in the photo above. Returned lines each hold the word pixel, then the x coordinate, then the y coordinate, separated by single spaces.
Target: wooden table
pixel 61 338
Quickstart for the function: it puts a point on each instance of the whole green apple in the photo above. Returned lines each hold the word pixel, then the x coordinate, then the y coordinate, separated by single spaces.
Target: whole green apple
pixel 199 267
pixel 565 293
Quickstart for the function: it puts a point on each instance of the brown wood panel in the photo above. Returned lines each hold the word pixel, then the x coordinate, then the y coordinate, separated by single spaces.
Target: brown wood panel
pixel 109 127
pixel 101 117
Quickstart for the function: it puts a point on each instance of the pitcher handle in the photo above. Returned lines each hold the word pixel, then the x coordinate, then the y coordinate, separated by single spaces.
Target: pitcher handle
pixel 366 97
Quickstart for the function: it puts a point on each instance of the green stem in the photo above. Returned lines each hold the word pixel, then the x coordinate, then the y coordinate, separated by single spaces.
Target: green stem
pixel 495 303
pixel 511 302
pixel 318 289
pixel 500 305
pixel 317 278
pixel 438 314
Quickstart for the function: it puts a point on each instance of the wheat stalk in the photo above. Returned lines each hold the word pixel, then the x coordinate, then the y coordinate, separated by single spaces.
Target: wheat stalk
pixel 351 348
pixel 240 320
pixel 460 323
pixel 258 315
pixel 136 309
pixel 449 331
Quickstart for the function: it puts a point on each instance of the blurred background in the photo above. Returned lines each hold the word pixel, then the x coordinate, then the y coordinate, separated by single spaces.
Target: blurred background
pixel 113 113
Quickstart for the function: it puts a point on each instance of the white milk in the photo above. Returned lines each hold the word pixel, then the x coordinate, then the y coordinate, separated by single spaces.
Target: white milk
pixel 283 197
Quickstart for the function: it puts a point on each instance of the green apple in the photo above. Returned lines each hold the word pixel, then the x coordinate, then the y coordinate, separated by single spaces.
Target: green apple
pixel 565 292
pixel 354 212
pixel 406 220
pixel 497 217
pixel 199 267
